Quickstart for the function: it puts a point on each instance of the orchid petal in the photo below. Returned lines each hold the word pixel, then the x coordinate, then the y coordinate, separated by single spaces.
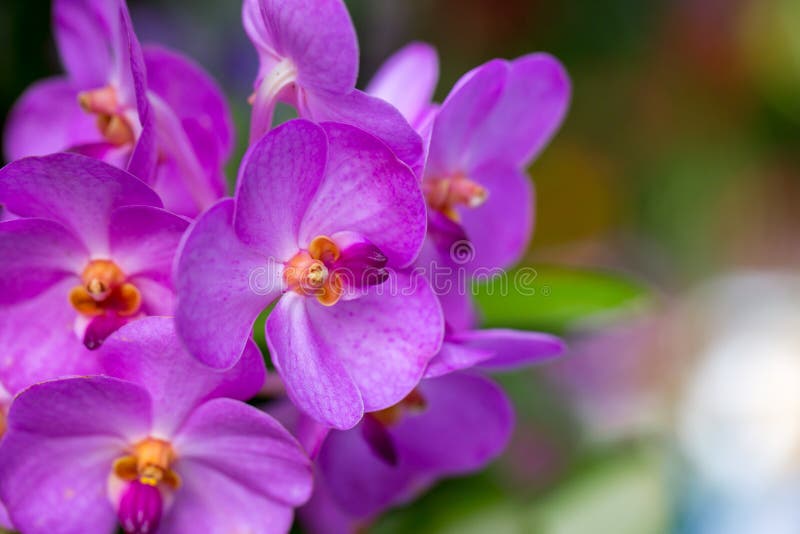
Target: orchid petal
pixel 35 254
pixel 48 119
pixel 317 36
pixel 76 191
pixel 384 339
pixel 372 115
pixel 148 352
pixel 533 105
pixel 460 116
pixel 407 80
pixel 317 382
pixel 279 178
pixel 249 447
pixel 222 286
pixel 368 191
pixel 500 228
pixel 39 340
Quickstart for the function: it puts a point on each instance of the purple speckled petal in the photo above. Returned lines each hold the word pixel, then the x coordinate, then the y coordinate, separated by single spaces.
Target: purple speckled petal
pixel 144 240
pixel 317 382
pixel 500 229
pixel 317 36
pixel 466 423
pixel 77 191
pixel 454 356
pixel 148 352
pixel 47 119
pixel 384 339
pixel 55 459
pixel 39 340
pixel 459 117
pixel 532 107
pixel 251 448
pixel 280 175
pixel 222 286
pixel 372 115
pixel 367 190
pixel 208 497
pixel 34 255
pixel 407 80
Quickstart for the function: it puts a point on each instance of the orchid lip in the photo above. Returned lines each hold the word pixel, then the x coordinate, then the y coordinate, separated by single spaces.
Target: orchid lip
pixel 140 508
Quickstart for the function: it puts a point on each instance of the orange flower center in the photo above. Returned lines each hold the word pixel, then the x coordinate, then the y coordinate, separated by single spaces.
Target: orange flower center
pixel 445 194
pixel 308 271
pixel 150 463
pixel 111 122
pixel 103 288
pixel 414 402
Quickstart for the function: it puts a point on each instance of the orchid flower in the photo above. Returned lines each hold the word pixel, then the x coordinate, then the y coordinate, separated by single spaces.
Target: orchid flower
pixel 154 113
pixel 495 121
pixel 308 55
pixel 160 443
pixel 90 250
pixel 324 220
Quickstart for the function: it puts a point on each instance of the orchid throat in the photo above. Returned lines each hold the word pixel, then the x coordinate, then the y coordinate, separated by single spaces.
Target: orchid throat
pixel 446 194
pixel 114 126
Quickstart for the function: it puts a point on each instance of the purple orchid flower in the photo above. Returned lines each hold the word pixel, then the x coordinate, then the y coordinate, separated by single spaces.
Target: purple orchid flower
pixel 309 59
pixel 91 250
pixel 451 425
pixel 162 443
pixel 153 113
pixel 495 121
pixel 324 219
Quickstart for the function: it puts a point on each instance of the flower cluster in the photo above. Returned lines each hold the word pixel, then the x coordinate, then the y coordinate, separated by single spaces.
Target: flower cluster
pixel 130 285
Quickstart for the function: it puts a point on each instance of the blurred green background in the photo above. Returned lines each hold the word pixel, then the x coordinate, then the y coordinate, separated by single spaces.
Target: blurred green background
pixel 679 163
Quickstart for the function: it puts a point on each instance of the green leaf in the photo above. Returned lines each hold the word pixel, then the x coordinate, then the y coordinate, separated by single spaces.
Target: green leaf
pixel 555 299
